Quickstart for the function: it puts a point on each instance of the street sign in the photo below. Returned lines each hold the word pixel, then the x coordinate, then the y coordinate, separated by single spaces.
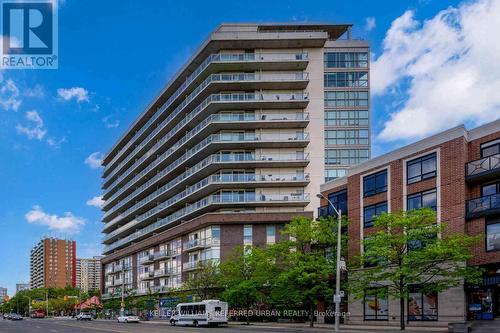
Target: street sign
pixel 336 299
pixel 341 293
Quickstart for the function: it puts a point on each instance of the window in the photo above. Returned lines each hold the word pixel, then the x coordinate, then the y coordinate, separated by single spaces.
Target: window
pixel 422 306
pixel 331 174
pixel 376 305
pixel 346 79
pixel 339 200
pixel 346 118
pixel 247 235
pixel 421 168
pixel 490 148
pixel 372 211
pixel 490 189
pixel 426 199
pixel 346 98
pixel 374 184
pixel 270 234
pixel 493 234
pixel 345 156
pixel 346 59
pixel 346 137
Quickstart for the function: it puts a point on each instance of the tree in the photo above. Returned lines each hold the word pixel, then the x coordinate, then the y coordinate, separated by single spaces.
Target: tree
pixel 411 249
pixel 204 281
pixel 244 276
pixel 305 263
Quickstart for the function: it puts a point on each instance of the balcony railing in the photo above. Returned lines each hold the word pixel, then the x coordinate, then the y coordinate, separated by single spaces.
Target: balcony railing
pixel 232 97
pixel 215 158
pixel 483 166
pixel 213 78
pixel 201 243
pixel 204 183
pixel 163 272
pixel 147 259
pixel 248 197
pixel 146 275
pixel 483 206
pixel 229 57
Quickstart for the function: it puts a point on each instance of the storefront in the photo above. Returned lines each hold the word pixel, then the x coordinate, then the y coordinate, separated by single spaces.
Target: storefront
pixel 483 301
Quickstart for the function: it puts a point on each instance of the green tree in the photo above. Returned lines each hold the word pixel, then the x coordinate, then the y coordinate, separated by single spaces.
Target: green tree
pixel 305 263
pixel 411 248
pixel 205 280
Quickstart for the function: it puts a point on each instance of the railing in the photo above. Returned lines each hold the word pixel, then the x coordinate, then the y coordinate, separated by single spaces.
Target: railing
pixel 233 97
pixel 176 199
pixel 205 242
pixel 148 258
pixel 117 282
pixel 213 78
pixel 198 147
pixel 146 275
pixel 162 272
pixel 483 204
pixel 229 57
pixel 215 158
pixel 483 165
pixel 248 197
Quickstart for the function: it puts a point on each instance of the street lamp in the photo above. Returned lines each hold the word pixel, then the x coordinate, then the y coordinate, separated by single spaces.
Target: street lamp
pixel 336 297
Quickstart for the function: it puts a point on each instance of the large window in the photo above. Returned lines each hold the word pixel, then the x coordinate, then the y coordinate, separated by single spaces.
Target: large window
pixel 247 235
pixel 346 98
pixel 422 306
pixel 490 148
pixel 493 234
pixel 376 305
pixel 331 174
pixel 345 156
pixel 346 137
pixel 374 184
pixel 270 234
pixel 490 189
pixel 346 118
pixel 426 199
pixel 346 59
pixel 370 212
pixel 421 168
pixel 339 200
pixel 346 79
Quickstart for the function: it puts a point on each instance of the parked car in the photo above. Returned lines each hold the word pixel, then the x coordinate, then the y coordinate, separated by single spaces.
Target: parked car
pixel 15 316
pixel 84 316
pixel 7 316
pixel 37 314
pixel 128 318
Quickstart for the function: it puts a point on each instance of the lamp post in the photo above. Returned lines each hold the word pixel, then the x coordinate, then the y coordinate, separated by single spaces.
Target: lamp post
pixel 122 305
pixel 336 297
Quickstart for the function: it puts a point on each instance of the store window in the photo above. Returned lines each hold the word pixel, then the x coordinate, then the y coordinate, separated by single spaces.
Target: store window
pixel 422 306
pixel 493 234
pixel 376 305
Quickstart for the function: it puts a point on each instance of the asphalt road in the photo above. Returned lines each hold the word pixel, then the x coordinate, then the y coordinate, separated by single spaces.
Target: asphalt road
pixel 97 326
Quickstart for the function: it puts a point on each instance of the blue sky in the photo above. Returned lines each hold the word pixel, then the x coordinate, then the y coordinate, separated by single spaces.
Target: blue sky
pixel 115 56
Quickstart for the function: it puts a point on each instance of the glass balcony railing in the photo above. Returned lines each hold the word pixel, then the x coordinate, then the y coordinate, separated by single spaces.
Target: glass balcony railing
pixel 213 179
pixel 484 205
pixel 247 197
pixel 228 57
pixel 483 166
pixel 201 242
pixel 213 78
pixel 233 97
pixel 215 158
pixel 198 147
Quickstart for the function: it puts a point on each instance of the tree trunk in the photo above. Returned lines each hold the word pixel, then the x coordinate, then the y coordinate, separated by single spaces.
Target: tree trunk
pixel 311 310
pixel 402 312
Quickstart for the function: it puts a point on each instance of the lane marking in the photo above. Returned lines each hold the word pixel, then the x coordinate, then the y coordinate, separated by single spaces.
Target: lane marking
pixel 94 328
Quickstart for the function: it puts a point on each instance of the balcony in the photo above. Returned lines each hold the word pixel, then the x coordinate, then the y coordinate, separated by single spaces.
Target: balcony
pixel 162 289
pixel 196 244
pixel 201 169
pixel 265 61
pixel 149 259
pixel 117 282
pixel 108 283
pixel 146 275
pixel 484 169
pixel 163 272
pixel 483 206
pixel 209 203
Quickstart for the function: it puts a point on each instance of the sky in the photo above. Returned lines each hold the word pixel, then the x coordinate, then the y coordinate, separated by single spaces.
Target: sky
pixel 434 65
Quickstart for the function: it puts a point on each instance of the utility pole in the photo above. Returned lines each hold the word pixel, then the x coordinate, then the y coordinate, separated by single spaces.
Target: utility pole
pixel 47 302
pixel 122 308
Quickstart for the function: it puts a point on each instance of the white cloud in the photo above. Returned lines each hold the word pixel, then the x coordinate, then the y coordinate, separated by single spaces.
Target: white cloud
pixel 35 128
pixel 447 68
pixel 94 160
pixel 370 24
pixel 53 142
pixel 109 123
pixel 35 92
pixel 96 201
pixel 68 223
pixel 78 93
pixel 9 96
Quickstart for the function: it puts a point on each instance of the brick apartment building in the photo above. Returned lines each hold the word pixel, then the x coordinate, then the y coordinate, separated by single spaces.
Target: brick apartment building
pixel 53 264
pixel 456 173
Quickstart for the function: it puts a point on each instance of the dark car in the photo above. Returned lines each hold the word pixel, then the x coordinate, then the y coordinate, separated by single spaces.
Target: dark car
pixel 15 316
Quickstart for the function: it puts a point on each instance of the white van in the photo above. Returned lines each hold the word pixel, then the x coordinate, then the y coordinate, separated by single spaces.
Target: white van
pixel 207 313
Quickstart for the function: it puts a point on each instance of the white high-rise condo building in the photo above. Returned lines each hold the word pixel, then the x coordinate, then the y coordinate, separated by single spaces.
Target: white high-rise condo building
pixel 234 146
pixel 88 273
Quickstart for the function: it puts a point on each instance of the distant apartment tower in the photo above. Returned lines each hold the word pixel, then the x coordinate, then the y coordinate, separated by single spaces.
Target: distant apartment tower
pixel 22 286
pixel 88 273
pixel 53 264
pixel 3 294
pixel 232 149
